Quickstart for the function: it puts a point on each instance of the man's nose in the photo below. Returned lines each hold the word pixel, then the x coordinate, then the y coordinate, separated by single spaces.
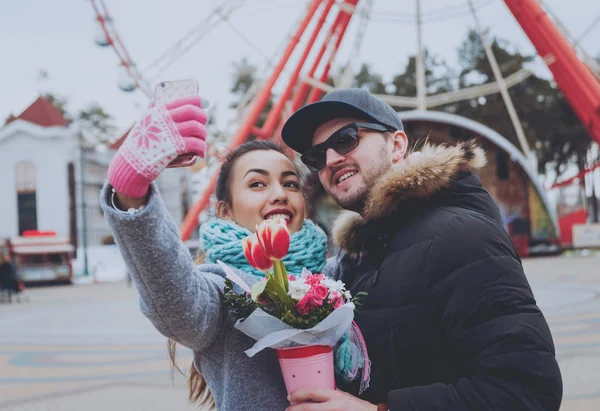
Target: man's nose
pixel 333 157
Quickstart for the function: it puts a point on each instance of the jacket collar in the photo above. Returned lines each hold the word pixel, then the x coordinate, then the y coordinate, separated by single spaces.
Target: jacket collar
pixel 419 177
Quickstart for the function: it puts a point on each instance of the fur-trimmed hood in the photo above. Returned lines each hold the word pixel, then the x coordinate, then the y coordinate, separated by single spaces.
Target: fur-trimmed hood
pixel 423 174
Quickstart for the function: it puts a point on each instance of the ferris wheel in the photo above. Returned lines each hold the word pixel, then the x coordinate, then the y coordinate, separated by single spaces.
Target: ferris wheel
pixel 575 72
pixel 130 78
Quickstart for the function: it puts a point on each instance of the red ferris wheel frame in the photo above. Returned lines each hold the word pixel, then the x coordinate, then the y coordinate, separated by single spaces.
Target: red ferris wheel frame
pixel 573 77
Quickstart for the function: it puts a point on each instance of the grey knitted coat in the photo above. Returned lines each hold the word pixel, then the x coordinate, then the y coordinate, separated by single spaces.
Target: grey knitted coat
pixel 184 302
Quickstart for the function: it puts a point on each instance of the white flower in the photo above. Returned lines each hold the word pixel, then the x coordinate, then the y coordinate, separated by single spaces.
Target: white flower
pixel 347 295
pixel 297 289
pixel 305 273
pixel 334 285
pixel 334 295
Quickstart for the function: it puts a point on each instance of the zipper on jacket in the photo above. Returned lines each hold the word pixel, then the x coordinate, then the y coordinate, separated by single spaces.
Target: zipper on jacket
pixel 375 276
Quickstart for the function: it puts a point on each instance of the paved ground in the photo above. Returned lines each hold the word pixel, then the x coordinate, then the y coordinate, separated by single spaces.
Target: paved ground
pixel 85 348
pixel 568 291
pixel 88 347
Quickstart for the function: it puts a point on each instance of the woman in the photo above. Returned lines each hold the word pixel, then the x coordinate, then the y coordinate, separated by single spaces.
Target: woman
pixel 183 301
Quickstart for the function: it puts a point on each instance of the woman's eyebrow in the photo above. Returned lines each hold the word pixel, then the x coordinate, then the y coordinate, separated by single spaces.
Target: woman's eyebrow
pixel 257 170
pixel 289 173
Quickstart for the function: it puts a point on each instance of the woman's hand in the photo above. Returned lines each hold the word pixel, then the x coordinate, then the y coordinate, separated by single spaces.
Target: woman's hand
pixel 163 133
pixel 324 399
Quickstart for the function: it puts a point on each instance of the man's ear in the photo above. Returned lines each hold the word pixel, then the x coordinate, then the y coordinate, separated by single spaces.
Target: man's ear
pixel 399 146
pixel 223 210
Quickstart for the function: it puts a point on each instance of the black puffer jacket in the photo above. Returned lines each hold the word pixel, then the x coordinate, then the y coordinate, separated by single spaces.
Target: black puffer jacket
pixel 450 321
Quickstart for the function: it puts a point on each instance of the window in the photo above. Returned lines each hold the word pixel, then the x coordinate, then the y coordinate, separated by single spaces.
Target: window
pixel 56 258
pixel 25 177
pixel 30 259
pixel 26 196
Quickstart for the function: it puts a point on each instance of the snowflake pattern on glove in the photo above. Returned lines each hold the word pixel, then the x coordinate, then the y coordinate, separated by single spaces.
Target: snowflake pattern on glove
pixel 153 143
pixel 147 132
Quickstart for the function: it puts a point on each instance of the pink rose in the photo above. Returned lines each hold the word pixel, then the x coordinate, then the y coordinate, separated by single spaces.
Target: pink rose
pixel 314 279
pixel 319 292
pixel 316 301
pixel 336 299
pixel 306 304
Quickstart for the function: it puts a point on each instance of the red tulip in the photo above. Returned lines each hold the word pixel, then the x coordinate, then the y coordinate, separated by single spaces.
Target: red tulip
pixel 255 255
pixel 274 238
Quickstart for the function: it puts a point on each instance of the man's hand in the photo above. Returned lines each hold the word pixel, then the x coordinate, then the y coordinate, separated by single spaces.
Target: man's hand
pixel 326 399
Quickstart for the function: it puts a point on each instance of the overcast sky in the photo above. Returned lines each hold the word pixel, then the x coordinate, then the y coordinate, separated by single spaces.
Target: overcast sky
pixel 58 36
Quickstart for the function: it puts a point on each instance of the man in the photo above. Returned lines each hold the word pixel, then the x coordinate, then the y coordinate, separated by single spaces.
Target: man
pixel 450 321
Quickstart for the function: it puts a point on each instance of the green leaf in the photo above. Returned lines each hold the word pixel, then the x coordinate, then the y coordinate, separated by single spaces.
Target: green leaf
pixel 281 275
pixel 277 290
pixel 258 288
pixel 239 304
pixel 273 288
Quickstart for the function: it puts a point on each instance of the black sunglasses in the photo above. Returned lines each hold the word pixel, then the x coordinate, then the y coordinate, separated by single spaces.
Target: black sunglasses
pixel 342 141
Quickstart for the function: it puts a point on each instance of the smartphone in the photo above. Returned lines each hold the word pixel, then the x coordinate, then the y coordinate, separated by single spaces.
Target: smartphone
pixel 167 91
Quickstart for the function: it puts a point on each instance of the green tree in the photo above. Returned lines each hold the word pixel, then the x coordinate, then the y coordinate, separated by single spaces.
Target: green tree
pixel 59 102
pixel 438 76
pixel 97 123
pixel 244 75
pixel 551 126
pixel 369 80
pixel 490 110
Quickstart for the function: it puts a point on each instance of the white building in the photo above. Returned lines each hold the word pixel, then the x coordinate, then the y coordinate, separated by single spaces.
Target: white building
pixel 41 179
pixel 37 150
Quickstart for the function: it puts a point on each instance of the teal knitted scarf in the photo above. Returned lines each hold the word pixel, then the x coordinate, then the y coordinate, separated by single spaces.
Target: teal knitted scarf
pixel 221 240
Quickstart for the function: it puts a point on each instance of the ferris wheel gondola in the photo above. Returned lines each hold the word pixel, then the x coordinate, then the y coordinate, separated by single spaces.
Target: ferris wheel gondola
pixel 124 80
pixel 129 78
pixel 101 38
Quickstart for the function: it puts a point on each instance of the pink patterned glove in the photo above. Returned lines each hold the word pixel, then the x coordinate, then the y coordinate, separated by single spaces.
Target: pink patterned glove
pixel 163 133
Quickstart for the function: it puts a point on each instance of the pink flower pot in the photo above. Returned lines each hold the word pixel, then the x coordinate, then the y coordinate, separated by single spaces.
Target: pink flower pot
pixel 310 366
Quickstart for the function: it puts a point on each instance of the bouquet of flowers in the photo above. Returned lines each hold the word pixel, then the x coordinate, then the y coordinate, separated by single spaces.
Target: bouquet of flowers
pixel 301 317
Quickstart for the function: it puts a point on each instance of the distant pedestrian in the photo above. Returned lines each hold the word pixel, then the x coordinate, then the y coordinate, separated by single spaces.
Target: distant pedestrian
pixel 8 278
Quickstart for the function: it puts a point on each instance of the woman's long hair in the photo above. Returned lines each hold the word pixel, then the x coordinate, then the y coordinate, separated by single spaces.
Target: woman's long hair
pixel 199 392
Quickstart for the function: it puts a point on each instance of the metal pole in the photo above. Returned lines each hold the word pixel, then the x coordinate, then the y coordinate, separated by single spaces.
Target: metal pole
pixel 512 112
pixel 420 64
pixel 83 206
pixel 586 32
pixel 594 199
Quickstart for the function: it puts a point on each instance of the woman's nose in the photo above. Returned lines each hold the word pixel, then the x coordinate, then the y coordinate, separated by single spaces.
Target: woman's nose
pixel 278 194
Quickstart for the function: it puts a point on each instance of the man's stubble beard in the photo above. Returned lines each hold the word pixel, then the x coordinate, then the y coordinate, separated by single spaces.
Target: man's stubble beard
pixel 356 201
